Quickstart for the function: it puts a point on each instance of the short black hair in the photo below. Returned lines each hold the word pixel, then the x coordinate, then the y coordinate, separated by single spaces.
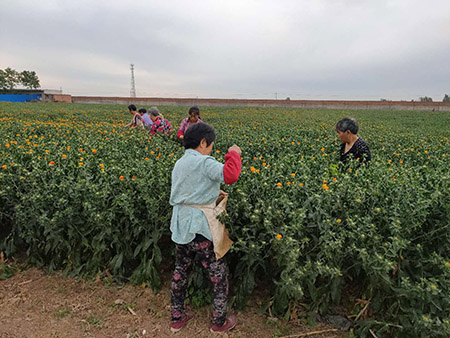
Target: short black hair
pixel 194 110
pixel 196 133
pixel 132 107
pixel 347 123
pixel 142 110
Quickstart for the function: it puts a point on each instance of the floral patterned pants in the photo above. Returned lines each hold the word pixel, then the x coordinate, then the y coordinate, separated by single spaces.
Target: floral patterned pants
pixel 218 273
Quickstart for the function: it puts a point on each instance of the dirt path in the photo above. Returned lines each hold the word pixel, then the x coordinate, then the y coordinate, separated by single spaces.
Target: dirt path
pixel 35 305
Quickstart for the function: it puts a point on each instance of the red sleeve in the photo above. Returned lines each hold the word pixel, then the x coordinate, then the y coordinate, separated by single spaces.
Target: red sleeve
pixel 232 167
pixel 179 133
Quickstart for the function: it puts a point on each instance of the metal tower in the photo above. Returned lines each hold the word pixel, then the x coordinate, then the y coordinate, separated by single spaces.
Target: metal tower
pixel 133 86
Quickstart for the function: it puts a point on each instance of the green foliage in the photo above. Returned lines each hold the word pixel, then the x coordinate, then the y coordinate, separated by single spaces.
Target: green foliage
pixel 426 99
pixel 446 98
pixel 9 78
pixel 85 195
pixel 29 79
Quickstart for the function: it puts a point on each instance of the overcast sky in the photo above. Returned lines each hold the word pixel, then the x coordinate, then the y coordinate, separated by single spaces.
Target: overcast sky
pixel 304 49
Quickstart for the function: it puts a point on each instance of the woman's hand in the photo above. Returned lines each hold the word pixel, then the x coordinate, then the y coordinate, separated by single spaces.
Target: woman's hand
pixel 236 149
pixel 223 193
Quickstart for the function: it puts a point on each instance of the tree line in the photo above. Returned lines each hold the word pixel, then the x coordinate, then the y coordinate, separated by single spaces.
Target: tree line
pixel 10 78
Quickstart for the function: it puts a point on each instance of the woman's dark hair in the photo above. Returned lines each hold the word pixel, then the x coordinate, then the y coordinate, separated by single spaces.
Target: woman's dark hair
pixel 132 107
pixel 347 123
pixel 142 110
pixel 194 110
pixel 196 133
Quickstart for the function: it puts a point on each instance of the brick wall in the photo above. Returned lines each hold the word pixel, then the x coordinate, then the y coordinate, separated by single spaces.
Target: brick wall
pixel 187 102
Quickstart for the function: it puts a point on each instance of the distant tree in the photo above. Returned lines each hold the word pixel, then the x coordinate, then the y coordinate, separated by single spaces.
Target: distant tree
pixel 383 100
pixel 9 78
pixel 426 99
pixel 446 98
pixel 29 79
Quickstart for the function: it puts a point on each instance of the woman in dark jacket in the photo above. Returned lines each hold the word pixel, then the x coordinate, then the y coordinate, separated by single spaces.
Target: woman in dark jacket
pixel 352 145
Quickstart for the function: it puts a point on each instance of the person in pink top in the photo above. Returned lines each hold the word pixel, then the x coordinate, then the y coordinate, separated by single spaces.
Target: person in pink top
pixel 194 117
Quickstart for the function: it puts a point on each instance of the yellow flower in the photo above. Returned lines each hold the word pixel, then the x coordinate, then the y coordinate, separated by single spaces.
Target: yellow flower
pixel 279 236
pixel 339 220
pixel 447 264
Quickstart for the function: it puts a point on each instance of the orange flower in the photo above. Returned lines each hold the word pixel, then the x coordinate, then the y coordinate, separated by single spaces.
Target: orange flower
pixel 335 179
pixel 133 178
pixel 217 151
pixel 80 163
pixel 322 150
pixel 326 187
pixel 64 156
pixel 146 158
pixel 51 163
pixel 94 151
pixel 279 184
pixel 101 165
pixel 301 184
pixel 339 220
pixel 252 169
pixel 4 166
pixel 279 236
pixel 293 175
pixel 121 178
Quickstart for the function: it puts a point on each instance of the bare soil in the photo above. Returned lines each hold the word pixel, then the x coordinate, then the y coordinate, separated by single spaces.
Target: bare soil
pixel 34 305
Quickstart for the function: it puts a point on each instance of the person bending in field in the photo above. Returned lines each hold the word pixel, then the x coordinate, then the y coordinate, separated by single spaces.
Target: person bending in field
pixel 160 124
pixel 136 121
pixel 194 117
pixel 352 145
pixel 146 120
pixel 196 179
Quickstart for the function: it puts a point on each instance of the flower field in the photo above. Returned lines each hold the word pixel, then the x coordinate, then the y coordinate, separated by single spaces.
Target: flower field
pixel 80 193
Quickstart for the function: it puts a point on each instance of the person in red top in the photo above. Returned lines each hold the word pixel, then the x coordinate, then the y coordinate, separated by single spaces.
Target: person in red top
pixel 160 124
pixel 194 117
pixel 136 121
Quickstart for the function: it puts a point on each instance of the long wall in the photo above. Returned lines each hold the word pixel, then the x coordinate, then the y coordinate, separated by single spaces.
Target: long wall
pixel 375 105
